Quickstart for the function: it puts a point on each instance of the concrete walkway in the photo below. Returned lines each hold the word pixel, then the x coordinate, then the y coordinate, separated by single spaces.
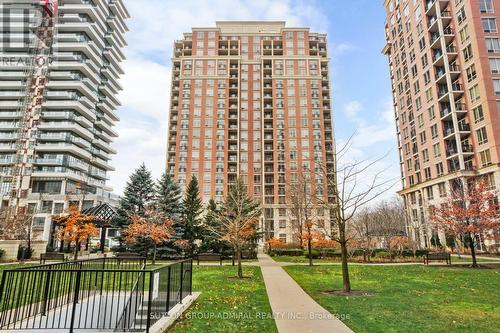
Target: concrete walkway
pixel 294 310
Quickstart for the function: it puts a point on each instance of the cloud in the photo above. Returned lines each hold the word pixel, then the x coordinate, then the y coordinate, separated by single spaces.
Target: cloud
pixel 352 109
pixel 146 88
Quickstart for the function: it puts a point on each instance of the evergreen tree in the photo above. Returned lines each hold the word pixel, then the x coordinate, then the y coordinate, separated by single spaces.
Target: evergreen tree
pixel 192 209
pixel 168 197
pixel 211 241
pixel 169 201
pixel 138 194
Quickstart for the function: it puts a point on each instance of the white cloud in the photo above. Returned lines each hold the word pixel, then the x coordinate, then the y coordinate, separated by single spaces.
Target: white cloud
pixel 352 109
pixel 146 88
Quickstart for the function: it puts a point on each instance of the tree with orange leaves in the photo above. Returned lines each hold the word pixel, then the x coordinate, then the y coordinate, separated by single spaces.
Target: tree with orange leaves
pixel 238 219
pixel 470 210
pixel 275 243
pixel 153 228
pixel 76 227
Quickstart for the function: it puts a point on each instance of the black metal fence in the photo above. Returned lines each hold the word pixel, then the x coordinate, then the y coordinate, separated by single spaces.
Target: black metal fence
pixel 117 294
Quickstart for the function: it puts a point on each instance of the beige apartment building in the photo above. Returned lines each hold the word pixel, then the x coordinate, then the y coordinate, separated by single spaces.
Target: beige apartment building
pixel 251 100
pixel 444 58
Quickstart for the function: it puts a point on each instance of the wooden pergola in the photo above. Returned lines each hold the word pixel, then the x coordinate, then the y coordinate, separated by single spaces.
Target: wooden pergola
pixel 103 215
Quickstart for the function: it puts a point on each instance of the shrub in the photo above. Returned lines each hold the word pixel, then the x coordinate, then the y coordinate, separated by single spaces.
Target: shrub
pixel 383 255
pixel 2 252
pixel 287 252
pixel 422 253
pixel 314 254
pixel 330 253
pixel 24 252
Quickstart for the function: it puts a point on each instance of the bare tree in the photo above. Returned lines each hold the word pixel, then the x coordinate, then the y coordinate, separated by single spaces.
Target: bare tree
pixel 362 226
pixel 303 210
pixel 16 223
pixel 389 221
pixel 351 186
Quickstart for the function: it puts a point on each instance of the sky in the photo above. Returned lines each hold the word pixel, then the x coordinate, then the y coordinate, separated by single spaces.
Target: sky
pixel 359 75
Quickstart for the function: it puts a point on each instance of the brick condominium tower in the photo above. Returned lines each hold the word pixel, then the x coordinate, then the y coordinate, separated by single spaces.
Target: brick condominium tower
pixel 444 58
pixel 251 100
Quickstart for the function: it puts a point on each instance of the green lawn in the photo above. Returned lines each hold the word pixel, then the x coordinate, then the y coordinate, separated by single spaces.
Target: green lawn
pixel 455 258
pixel 409 298
pixel 302 259
pixel 223 299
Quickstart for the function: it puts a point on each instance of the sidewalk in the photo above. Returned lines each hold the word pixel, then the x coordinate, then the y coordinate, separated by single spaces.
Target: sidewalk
pixel 295 311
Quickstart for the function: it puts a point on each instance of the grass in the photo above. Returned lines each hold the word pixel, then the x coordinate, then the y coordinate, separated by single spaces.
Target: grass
pixel 227 304
pixel 409 298
pixel 455 258
pixel 302 259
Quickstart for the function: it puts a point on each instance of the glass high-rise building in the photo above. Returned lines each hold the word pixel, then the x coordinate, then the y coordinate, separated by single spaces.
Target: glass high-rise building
pixel 59 72
pixel 252 100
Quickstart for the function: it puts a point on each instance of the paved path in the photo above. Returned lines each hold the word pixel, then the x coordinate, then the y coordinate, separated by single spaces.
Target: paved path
pixel 294 310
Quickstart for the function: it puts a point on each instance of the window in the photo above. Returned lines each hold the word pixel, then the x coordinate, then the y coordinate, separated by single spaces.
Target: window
pixel 485 157
pixel 489 24
pixel 442 190
pixel 464 34
pixel 493 44
pixel 482 136
pixel 429 192
pixel 474 93
pixel 495 65
pixel 427 172
pixel 437 150
pixel 439 169
pixel 478 114
pixel 496 86
pixel 420 120
pixel 428 95
pixel 39 222
pixel 425 155
pixel 423 137
pixel 486 6
pixel 461 15
pixel 471 73
pixel 282 238
pixel 467 53
pixel 434 131
pixel 58 208
pixel 47 207
pixel 432 114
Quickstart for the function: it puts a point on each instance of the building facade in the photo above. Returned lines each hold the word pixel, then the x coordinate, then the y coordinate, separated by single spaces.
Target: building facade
pixel 444 58
pixel 59 71
pixel 251 100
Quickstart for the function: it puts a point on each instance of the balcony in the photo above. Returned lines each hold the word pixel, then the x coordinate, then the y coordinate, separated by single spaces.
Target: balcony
pixel 431 6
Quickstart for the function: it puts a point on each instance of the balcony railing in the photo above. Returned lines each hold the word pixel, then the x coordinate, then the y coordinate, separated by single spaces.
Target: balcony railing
pixel 105 294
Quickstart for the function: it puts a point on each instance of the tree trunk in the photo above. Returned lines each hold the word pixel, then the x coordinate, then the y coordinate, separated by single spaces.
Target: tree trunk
pixel 345 268
pixel 238 257
pixel 309 250
pixel 154 254
pixel 77 245
pixel 472 250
